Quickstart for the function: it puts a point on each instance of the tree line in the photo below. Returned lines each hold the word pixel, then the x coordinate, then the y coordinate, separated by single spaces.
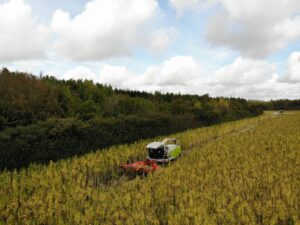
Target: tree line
pixel 43 118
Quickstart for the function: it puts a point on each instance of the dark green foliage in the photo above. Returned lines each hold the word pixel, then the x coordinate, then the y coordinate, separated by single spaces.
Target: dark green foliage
pixel 25 99
pixel 43 119
pixel 61 138
pixel 283 104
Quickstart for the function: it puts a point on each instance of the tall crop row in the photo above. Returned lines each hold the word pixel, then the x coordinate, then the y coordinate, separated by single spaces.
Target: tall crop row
pixel 244 172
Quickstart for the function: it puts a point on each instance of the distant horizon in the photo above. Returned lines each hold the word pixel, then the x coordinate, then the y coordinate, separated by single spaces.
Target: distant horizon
pixel 144 91
pixel 226 48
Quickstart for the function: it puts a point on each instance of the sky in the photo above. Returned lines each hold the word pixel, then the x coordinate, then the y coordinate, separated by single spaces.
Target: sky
pixel 231 48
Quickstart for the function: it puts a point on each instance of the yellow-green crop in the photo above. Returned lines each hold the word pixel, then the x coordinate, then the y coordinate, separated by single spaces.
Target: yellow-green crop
pixel 243 172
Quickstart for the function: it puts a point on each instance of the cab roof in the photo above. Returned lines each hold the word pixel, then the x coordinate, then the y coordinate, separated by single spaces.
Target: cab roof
pixel 154 145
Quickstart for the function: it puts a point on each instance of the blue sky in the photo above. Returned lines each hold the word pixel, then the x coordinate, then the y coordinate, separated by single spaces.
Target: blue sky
pixel 221 47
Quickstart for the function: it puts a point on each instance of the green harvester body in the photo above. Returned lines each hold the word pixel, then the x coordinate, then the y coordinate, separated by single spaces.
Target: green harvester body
pixel 164 151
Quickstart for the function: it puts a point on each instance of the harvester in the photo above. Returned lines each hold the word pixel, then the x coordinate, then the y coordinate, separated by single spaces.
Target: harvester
pixel 158 153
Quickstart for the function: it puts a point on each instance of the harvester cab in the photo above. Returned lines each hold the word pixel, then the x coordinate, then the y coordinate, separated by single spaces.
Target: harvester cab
pixel 158 152
pixel 163 151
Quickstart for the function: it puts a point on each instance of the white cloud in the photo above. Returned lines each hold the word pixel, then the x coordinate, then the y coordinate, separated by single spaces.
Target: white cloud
pixel 176 71
pixel 244 72
pixel 159 40
pixel 255 28
pixel 196 5
pixel 79 73
pixel 117 76
pixel 269 89
pixel 255 79
pixel 21 36
pixel 246 78
pixel 293 69
pixel 105 29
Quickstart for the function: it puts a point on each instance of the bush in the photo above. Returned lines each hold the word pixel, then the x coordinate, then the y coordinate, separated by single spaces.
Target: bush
pixel 62 138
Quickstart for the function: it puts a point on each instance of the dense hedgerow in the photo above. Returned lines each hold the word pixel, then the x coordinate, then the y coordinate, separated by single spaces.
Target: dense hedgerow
pixel 62 138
